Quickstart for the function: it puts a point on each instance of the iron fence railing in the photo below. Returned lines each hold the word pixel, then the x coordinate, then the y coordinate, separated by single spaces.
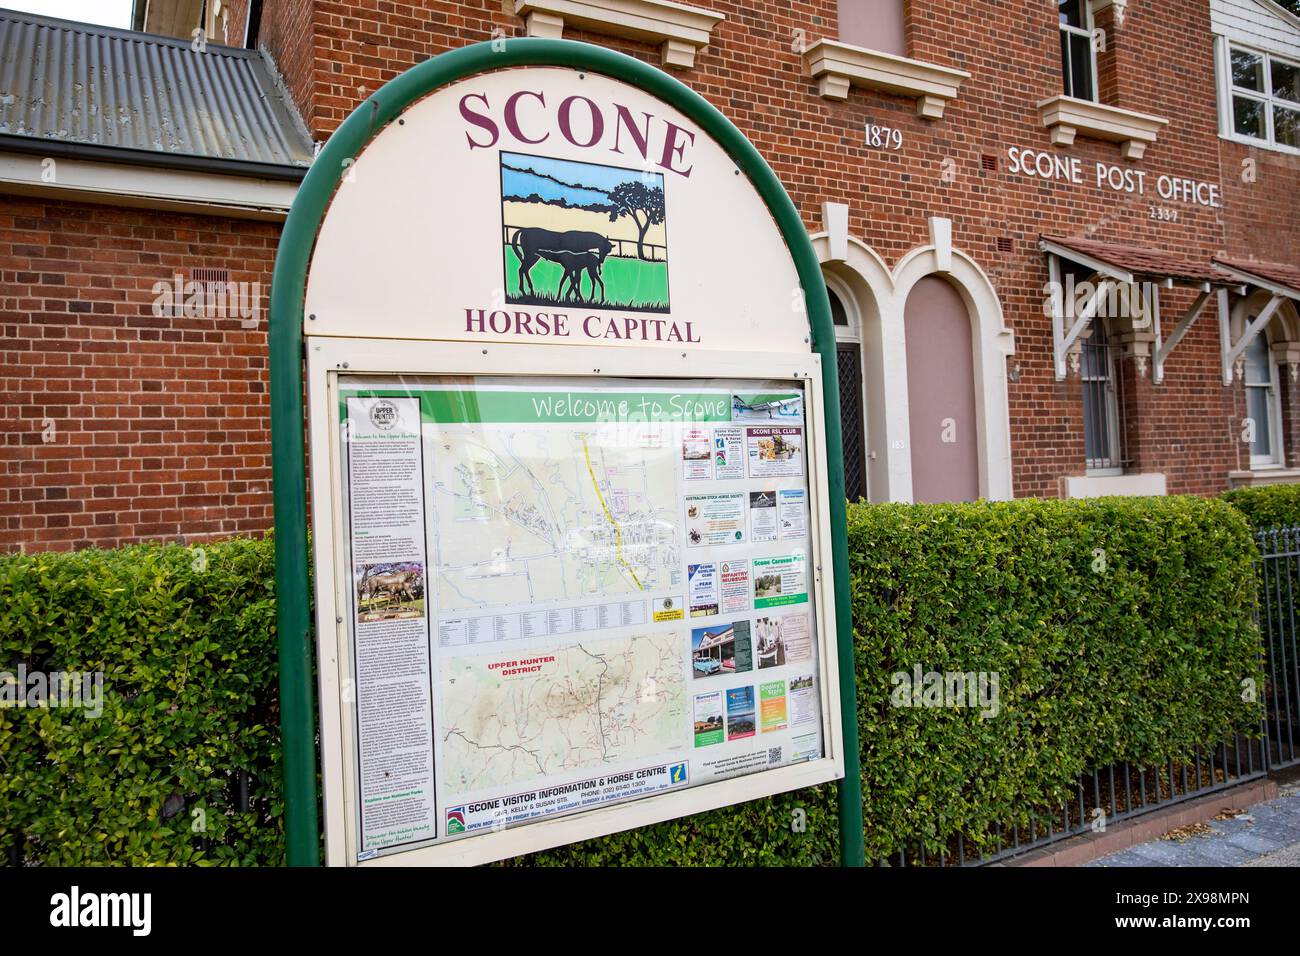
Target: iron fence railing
pixel 1102 798
pixel 1279 590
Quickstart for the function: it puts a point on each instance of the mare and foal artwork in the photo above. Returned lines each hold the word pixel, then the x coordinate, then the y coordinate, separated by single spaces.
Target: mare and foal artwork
pixel 583 233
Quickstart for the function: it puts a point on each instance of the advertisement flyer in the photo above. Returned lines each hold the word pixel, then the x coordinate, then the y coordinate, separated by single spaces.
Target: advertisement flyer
pixel 728 453
pixel 715 519
pixel 696 454
pixel 782 640
pixel 775 452
pixel 552 596
pixel 735 586
pixel 792 508
pixel 668 609
pixel 721 649
pixel 702 582
pixel 772 697
pixel 762 516
pixel 780 581
pixel 740 713
pixel 770 409
pixel 708 719
pixel 803 701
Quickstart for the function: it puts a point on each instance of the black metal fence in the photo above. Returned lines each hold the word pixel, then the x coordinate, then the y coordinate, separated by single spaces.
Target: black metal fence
pixel 1279 589
pixel 1111 794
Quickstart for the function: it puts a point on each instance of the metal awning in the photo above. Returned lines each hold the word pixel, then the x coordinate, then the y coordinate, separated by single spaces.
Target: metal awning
pixel 1279 279
pixel 1128 265
pixel 1275 277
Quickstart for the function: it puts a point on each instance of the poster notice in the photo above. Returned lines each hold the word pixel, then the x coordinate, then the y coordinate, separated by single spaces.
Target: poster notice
pixel 762 516
pixel 740 713
pixel 554 604
pixel 780 581
pixel 792 511
pixel 735 586
pixel 803 701
pixel 773 700
pixel 708 719
pixel 715 519
pixel 394 705
pixel 702 580
pixel 728 453
pixel 697 454
pixel 775 452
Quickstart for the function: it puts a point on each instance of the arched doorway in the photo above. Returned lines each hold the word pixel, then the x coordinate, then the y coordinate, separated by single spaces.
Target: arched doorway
pixel 942 411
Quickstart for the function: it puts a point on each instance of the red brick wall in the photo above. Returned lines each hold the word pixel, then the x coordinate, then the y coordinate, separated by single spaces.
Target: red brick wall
pixel 236 21
pixel 333 54
pixel 288 32
pixel 124 425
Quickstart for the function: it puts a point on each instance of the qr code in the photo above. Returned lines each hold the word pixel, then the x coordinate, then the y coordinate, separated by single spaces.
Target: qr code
pixel 773 755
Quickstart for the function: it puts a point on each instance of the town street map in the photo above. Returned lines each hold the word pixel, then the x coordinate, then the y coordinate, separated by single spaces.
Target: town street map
pixel 572 594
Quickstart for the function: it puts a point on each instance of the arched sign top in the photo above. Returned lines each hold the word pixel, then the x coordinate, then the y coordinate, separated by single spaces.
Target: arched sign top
pixel 627 210
pixel 554 206
pixel 666 154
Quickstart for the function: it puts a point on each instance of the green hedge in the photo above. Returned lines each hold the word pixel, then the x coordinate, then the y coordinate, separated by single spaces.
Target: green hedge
pixel 185 638
pixel 1121 630
pixel 1271 506
pixel 1139 657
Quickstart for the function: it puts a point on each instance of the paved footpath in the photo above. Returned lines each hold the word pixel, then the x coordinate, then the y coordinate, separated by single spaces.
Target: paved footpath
pixel 1265 835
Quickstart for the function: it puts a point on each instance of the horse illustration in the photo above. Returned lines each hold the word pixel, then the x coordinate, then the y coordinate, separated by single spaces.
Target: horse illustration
pixel 574 264
pixel 533 243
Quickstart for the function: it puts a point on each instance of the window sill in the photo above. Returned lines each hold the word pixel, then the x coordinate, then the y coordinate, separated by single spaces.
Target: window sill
pixel 1097 486
pixel 1274 475
pixel 1261 144
pixel 1066 116
pixel 838 66
pixel 679 30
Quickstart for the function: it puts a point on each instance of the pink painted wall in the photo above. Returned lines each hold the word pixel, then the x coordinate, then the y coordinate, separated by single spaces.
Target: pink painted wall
pixel 941 386
pixel 875 24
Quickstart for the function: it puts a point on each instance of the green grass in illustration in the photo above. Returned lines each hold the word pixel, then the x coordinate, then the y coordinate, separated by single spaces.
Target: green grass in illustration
pixel 630 284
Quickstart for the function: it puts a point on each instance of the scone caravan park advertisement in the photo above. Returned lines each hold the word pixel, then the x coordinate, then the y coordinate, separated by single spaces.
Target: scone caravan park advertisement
pixel 570 594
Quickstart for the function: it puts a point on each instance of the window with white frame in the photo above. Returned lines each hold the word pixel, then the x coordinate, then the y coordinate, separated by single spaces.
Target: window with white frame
pixel 1263 97
pixel 1078 55
pixel 1263 407
pixel 1103 403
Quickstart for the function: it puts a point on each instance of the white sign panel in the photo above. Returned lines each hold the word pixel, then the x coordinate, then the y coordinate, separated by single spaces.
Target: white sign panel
pixel 548 207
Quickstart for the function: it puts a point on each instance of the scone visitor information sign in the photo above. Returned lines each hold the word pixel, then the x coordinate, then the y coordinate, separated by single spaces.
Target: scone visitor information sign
pixel 578 541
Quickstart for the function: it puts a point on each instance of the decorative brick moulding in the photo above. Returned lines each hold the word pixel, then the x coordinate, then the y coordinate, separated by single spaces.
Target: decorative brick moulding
pixel 1066 116
pixel 837 66
pixel 678 29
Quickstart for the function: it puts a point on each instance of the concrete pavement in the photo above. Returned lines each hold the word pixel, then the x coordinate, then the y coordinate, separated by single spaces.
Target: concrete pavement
pixel 1267 834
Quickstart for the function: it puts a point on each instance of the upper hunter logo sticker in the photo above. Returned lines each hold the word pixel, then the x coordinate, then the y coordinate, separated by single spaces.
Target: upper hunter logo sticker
pixel 583 233
pixel 384 415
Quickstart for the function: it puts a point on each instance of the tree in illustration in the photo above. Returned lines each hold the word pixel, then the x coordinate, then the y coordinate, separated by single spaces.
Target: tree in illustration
pixel 645 204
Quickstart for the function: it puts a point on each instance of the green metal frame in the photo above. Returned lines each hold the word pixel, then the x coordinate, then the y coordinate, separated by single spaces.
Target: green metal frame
pixel 288 289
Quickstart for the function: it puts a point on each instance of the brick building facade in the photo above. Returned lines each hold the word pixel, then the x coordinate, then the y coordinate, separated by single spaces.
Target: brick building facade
pixel 925 143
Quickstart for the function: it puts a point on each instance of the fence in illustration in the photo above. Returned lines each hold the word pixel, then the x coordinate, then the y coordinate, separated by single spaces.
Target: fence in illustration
pixel 623 248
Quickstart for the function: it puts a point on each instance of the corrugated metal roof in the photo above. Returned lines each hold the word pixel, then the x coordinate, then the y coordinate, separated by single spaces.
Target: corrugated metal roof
pixel 76 83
